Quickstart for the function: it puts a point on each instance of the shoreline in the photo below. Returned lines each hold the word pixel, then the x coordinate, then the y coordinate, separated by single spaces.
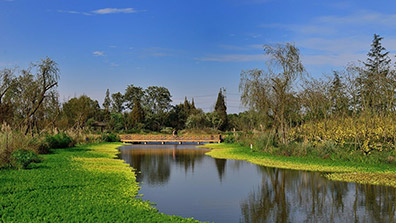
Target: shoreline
pixel 381 174
pixel 79 184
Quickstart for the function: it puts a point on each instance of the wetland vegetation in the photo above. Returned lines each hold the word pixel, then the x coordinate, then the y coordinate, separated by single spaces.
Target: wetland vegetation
pixel 342 125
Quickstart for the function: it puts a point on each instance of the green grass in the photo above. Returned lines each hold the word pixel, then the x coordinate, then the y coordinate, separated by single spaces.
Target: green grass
pixel 378 174
pixel 81 184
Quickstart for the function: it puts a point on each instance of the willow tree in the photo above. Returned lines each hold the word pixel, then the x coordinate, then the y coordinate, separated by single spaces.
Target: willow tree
pixel 270 91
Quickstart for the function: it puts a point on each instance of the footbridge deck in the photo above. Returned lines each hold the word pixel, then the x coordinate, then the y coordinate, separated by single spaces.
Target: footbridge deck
pixel 171 138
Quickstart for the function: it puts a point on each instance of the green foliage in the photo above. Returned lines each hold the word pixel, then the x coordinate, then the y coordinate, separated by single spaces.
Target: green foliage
pixel 79 110
pixel 221 110
pixel 21 158
pixel 110 137
pixel 137 113
pixel 229 139
pixel 60 140
pixel 81 184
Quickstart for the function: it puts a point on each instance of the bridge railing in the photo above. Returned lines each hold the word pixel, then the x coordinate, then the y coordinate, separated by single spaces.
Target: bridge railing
pixel 169 138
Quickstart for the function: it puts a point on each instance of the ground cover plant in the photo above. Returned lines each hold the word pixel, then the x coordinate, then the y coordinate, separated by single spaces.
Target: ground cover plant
pixel 377 174
pixel 80 184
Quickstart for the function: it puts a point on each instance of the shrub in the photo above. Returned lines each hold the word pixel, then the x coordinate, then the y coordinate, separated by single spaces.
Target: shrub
pixel 21 158
pixel 60 140
pixel 110 137
pixel 229 139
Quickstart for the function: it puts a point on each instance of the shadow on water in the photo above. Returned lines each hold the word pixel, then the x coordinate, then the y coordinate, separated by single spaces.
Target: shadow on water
pixel 183 181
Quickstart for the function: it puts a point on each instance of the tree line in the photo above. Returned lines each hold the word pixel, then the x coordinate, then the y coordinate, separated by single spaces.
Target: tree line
pixel 29 101
pixel 285 99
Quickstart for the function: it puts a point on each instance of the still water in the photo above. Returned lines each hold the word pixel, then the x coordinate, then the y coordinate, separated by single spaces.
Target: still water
pixel 183 181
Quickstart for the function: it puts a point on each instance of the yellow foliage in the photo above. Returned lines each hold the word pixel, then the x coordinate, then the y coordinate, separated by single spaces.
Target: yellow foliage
pixel 366 133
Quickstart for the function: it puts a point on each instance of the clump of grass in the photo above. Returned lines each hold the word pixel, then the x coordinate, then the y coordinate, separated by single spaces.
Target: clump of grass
pixel 11 141
pixel 110 137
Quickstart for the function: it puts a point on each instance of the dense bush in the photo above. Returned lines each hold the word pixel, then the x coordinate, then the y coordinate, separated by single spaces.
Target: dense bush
pixel 110 137
pixel 21 158
pixel 60 140
pixel 229 139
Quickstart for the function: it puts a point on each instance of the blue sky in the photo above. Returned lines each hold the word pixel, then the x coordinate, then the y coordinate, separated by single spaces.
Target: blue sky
pixel 192 47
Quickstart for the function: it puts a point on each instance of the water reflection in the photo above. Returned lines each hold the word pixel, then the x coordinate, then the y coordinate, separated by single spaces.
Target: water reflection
pixel 297 196
pixel 183 181
pixel 153 162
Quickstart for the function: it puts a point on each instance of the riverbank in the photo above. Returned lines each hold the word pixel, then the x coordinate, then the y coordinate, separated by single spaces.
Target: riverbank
pixel 379 174
pixel 80 184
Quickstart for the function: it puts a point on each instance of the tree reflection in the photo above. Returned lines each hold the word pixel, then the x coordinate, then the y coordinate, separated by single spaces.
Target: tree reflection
pixel 297 196
pixel 153 164
pixel 221 165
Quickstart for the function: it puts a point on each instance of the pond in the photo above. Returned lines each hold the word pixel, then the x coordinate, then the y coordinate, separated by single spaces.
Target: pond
pixel 183 181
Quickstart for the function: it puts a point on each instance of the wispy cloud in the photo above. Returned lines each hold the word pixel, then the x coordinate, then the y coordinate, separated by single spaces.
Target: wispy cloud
pixel 158 52
pixel 233 58
pixel 114 10
pixel 98 53
pixel 74 12
pixel 103 11
pixel 337 40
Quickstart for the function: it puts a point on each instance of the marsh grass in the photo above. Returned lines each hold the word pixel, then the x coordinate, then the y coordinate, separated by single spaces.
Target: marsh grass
pixel 351 171
pixel 11 141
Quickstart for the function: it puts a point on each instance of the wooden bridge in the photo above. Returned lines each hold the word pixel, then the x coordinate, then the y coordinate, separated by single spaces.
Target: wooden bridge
pixel 171 138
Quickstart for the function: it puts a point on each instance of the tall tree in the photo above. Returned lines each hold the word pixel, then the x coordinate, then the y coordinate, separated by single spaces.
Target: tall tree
pixel 107 101
pixel 137 114
pixel 270 92
pixel 79 110
pixel 338 96
pixel 373 78
pixel 221 109
pixel 36 88
pixel 157 99
pixel 118 102
pixel 131 93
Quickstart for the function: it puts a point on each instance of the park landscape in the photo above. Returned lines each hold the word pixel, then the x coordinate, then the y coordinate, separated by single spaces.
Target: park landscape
pixel 327 138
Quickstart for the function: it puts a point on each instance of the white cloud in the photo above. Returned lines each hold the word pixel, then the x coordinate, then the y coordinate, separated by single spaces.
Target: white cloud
pixel 114 10
pixel 103 11
pixel 74 12
pixel 98 53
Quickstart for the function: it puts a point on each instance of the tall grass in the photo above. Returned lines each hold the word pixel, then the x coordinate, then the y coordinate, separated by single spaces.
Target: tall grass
pixel 10 141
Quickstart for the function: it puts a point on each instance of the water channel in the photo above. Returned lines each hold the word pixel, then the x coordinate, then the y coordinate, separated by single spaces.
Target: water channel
pixel 183 181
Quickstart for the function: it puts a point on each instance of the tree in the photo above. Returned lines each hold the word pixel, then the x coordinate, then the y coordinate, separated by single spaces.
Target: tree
pixel 137 114
pixel 107 101
pixel 7 82
pixel 78 110
pixel 338 96
pixel 270 91
pixel 221 109
pixel 118 102
pixel 32 90
pixel 373 80
pixel 157 99
pixel 132 93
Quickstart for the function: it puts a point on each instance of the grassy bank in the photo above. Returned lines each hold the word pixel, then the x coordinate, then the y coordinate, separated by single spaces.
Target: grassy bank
pixel 80 184
pixel 378 174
